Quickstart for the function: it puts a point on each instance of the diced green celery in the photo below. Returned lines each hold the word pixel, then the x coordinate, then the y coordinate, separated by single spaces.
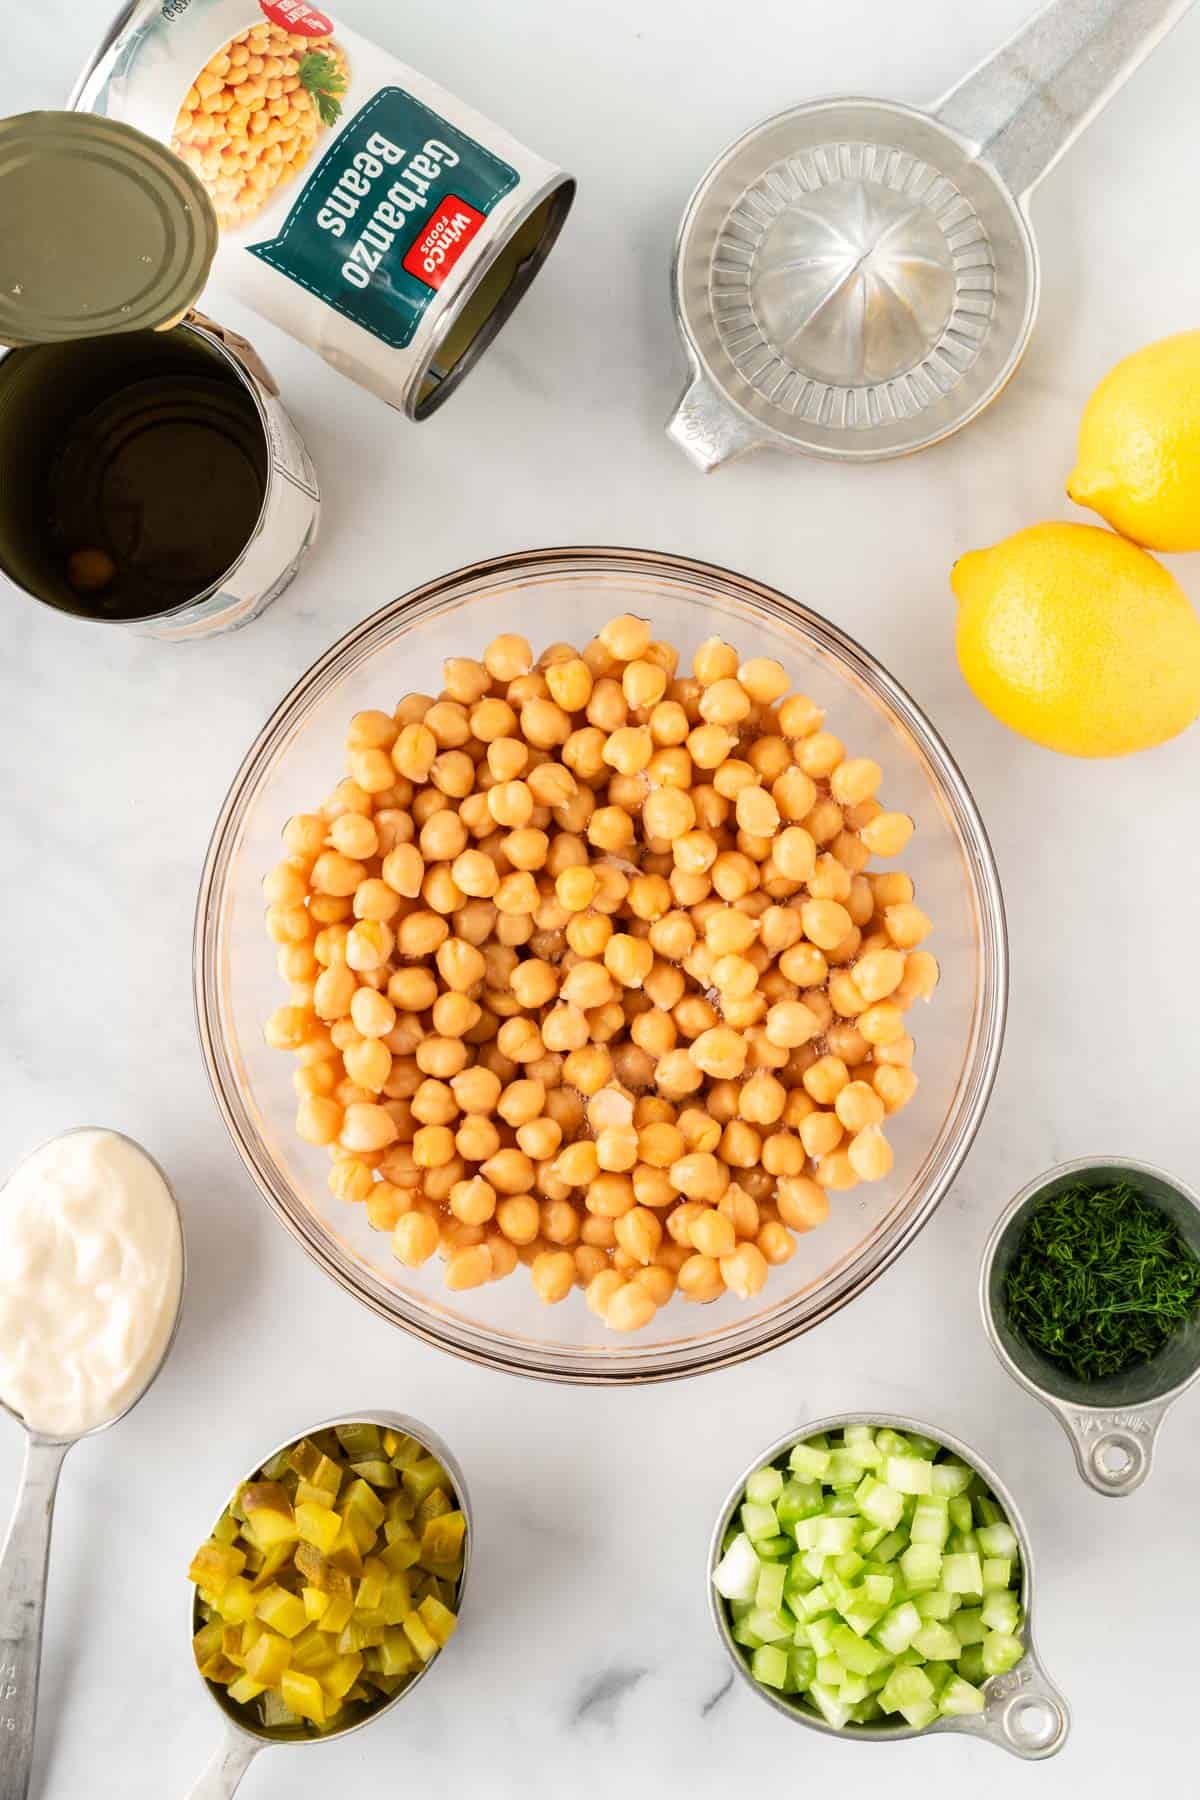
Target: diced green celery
pixel 859 1656
pixel 833 1536
pixel 963 1543
pixel 841 1593
pixel 741 1633
pixel 998 1540
pixel 910 1474
pixel 845 1470
pixel 831 1671
pixel 959 1697
pixel 930 1522
pixel 809 1461
pixel 799 1500
pixel 804 1532
pixel 867 1711
pixel 920 1713
pixel 889 1547
pixel 841 1504
pixel 890 1443
pixel 970 1663
pixel 852 1690
pixel 1001 1612
pixel 937 1604
pixel 878 1589
pixel 768 1627
pixel 897 1629
pixel 736 1575
pixel 997 1573
pixel 813 1605
pixel 759 1521
pixel 804 1666
pixel 988 1510
pixel 951 1478
pixel 922 1567
pixel 769 1592
pixel 829 1704
pixel 861 1440
pixel 882 1504
pixel 774 1547
pixel 968 1626
pixel 769 1666
pixel 820 1635
pixel 848 1565
pixel 1001 1652
pixel 923 1446
pixel 868 1539
pixel 764 1486
pixel 907 1687
pixel 798 1580
pixel 961 1517
pixel 962 1573
pixel 937 1642
pixel 863 1617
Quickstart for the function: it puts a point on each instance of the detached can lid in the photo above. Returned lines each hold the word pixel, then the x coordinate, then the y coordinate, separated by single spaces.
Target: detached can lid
pixel 102 229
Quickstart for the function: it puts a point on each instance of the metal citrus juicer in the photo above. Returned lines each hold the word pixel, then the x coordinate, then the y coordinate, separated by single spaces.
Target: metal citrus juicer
pixel 857 279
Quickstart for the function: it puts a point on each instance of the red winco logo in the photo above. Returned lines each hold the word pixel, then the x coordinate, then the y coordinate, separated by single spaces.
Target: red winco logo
pixel 298 17
pixel 443 240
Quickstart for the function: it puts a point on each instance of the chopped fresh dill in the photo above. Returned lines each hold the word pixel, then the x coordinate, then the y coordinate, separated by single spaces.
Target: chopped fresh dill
pixel 1100 1281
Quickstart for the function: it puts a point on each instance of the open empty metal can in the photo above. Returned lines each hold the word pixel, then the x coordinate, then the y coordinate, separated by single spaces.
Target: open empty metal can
pixel 857 279
pixel 1112 1425
pixel 149 474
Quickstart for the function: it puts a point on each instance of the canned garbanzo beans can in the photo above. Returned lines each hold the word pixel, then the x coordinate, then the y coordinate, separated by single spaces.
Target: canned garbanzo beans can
pixel 361 207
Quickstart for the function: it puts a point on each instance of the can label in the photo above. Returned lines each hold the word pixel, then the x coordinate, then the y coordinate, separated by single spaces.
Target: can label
pixel 356 199
pixel 388 212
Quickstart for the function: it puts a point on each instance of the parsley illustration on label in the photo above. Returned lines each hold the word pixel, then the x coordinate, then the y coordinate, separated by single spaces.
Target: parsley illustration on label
pixel 322 78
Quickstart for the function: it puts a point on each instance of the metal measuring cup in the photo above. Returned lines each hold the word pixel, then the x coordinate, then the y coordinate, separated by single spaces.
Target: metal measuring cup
pixel 1112 1425
pixel 1025 1713
pixel 856 279
pixel 25 1558
pixel 243 1738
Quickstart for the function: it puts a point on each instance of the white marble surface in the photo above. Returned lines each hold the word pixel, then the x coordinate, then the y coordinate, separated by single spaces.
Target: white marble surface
pixel 589 1665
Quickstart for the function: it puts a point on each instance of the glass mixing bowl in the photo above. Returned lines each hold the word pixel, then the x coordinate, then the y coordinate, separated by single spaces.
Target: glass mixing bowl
pixel 550 595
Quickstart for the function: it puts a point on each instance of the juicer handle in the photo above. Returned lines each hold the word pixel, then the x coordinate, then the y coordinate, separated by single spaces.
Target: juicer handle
pixel 705 426
pixel 1028 102
pixel 23 1566
pixel 230 1760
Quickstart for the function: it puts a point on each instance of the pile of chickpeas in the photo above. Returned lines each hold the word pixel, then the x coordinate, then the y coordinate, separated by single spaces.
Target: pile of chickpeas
pixel 247 122
pixel 589 971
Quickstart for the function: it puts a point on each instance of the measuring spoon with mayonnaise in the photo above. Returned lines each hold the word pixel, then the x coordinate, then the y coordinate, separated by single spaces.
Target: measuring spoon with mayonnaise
pixel 91 1288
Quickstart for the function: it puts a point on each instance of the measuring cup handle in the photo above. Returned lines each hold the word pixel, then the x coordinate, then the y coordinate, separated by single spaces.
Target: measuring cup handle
pixel 1024 1712
pixel 23 1565
pixel 1113 1451
pixel 223 1776
pixel 1029 101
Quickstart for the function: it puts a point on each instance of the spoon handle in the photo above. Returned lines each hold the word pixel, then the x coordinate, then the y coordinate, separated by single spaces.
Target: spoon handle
pixel 223 1776
pixel 22 1605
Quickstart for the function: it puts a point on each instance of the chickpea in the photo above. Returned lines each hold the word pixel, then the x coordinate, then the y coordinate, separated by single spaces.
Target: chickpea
pixel 553 1275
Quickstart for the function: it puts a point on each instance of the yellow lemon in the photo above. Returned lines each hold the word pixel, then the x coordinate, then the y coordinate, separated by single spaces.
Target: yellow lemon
pixel 1077 639
pixel 1138 463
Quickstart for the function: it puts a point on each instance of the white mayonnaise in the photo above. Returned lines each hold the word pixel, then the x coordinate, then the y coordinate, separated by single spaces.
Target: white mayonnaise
pixel 91 1262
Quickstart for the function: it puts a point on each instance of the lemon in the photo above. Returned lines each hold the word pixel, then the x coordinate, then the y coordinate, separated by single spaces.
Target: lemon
pixel 1138 463
pixel 1077 639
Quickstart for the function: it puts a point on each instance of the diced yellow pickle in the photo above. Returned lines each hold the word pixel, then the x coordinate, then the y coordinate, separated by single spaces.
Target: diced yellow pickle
pixel 312 1651
pixel 338 1614
pixel 302 1694
pixel 282 1611
pixel 401 1554
pixel 421 1477
pixel 341 1675
pixel 231 1646
pixel 400 1505
pixel 396 1656
pixel 316 1604
pixel 236 1603
pixel 390 1441
pixel 359 1498
pixel 244 1689
pixel 370 1588
pixel 419 1636
pixel 442 1538
pixel 318 1525
pixel 347 1553
pixel 225 1530
pixel 407 1452
pixel 312 1465
pixel 436 1503
pixel 274 1560
pixel 268 1659
pixel 215 1565
pixel 359 1441
pixel 269 1514
pixel 439 1621
pixel 379 1474
pixel 206 1645
pixel 397 1599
